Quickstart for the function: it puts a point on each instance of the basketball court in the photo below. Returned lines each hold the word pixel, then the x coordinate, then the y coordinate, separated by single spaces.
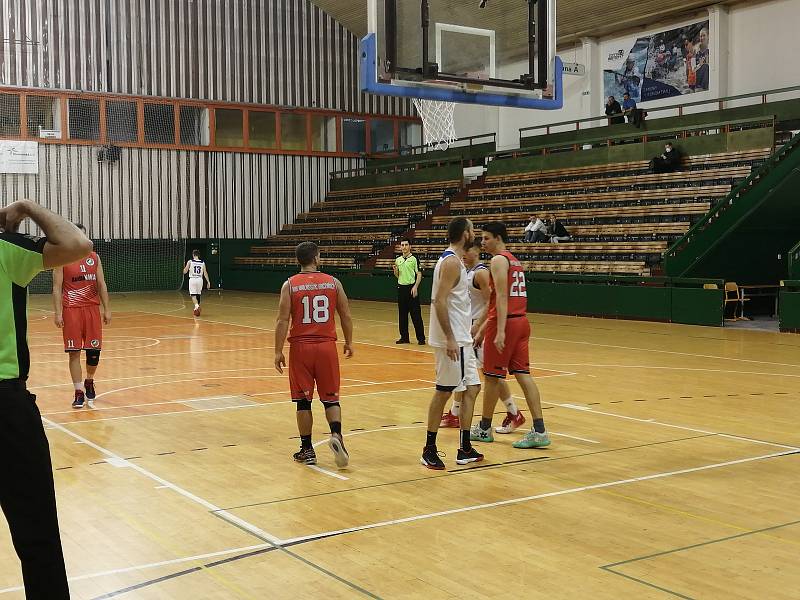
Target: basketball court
pixel 672 471
pixel 675 448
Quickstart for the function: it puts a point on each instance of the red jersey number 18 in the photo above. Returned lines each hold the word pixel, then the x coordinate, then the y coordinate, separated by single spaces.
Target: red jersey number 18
pixel 518 285
pixel 316 309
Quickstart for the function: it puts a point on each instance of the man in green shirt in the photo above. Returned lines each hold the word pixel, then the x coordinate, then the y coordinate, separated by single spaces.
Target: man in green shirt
pixel 409 275
pixel 27 494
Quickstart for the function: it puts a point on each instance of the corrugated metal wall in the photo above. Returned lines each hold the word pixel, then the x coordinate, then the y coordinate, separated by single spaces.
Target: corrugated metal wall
pixel 175 194
pixel 282 52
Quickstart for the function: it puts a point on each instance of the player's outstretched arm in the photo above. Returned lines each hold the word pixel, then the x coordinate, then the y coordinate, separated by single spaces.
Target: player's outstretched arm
pixel 58 300
pixel 499 268
pixel 343 308
pixel 102 291
pixel 65 242
pixel 449 272
pixel 282 327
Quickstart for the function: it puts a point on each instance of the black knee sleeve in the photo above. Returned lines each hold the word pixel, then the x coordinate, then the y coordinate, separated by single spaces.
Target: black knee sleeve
pixel 93 358
pixel 303 404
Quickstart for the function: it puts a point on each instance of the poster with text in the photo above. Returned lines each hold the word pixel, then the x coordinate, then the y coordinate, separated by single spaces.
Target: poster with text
pixel 19 157
pixel 658 65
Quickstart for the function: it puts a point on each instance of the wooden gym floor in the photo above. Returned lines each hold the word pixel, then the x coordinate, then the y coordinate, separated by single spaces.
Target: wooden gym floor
pixel 673 471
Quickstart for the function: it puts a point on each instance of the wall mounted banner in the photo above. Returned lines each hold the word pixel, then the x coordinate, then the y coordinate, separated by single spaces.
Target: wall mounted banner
pixel 19 157
pixel 658 65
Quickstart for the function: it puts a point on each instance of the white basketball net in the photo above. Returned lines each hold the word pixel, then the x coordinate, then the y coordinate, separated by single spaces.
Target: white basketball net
pixel 437 122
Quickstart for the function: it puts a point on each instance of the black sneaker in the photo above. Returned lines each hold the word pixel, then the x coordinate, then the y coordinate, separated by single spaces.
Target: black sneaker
pixel 306 456
pixel 402 341
pixel 80 399
pixel 430 458
pixel 422 342
pixel 88 384
pixel 468 456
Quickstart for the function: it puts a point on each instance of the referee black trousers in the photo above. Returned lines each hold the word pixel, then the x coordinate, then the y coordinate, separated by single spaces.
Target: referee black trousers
pixel 407 304
pixel 27 494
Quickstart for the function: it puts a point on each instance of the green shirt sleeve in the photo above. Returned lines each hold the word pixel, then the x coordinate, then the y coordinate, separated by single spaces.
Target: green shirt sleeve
pixel 416 265
pixel 21 257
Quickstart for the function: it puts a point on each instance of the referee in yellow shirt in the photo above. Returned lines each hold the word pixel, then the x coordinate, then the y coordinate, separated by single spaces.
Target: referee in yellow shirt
pixel 27 494
pixel 409 274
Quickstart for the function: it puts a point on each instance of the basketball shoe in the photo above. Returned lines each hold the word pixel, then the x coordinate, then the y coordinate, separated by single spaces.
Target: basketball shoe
pixel 476 434
pixel 80 399
pixel 306 456
pixel 533 439
pixel 430 458
pixel 340 454
pixel 468 456
pixel 449 420
pixel 511 423
pixel 196 311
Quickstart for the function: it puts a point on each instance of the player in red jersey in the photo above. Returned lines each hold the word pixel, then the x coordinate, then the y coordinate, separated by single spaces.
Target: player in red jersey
pixel 504 331
pixel 309 299
pixel 78 291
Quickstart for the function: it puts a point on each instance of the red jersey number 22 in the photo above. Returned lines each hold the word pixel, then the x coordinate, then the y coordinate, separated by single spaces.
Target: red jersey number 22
pixel 518 285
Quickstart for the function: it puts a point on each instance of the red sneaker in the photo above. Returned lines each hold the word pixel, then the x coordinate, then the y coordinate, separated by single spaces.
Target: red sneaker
pixel 450 420
pixel 511 423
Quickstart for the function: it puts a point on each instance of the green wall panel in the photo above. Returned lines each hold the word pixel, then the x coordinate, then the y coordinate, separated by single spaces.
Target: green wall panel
pixel 789 306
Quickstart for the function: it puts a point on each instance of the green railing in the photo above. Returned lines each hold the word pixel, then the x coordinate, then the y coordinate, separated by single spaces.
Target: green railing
pixel 677 109
pixel 688 249
pixel 467 147
pixel 633 135
pixel 396 168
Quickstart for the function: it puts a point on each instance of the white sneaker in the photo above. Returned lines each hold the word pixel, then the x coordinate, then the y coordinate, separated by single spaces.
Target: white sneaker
pixel 476 434
pixel 90 403
pixel 340 454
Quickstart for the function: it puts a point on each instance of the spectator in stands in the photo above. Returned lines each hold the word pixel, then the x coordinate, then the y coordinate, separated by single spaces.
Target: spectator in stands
pixel 558 233
pixel 667 162
pixel 631 111
pixel 409 275
pixel 614 111
pixel 535 231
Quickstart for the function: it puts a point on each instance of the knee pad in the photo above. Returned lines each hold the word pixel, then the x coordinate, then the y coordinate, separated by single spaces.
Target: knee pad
pixel 93 357
pixel 303 404
pixel 328 405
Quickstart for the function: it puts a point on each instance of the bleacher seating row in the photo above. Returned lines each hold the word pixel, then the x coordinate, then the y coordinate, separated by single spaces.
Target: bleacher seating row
pixel 621 217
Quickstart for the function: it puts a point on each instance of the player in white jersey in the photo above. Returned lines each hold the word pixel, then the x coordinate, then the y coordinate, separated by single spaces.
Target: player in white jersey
pixel 451 337
pixel 196 269
pixel 478 276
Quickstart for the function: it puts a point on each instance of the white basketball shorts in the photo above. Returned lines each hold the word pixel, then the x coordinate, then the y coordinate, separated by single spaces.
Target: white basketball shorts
pixel 456 375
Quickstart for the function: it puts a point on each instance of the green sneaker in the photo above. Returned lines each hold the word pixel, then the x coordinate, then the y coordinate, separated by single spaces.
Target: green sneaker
pixel 476 434
pixel 532 439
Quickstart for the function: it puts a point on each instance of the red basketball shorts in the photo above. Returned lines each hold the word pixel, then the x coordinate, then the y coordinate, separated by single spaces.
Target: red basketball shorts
pixel 313 365
pixel 83 328
pixel 514 358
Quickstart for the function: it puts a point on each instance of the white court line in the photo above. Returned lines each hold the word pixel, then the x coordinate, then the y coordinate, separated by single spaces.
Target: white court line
pixel 763 362
pixel 167 402
pixel 256 405
pixel 149 355
pixel 574 437
pixel 326 472
pixel 54 385
pixel 682 427
pixel 512 501
pixel 249 527
pixel 660 367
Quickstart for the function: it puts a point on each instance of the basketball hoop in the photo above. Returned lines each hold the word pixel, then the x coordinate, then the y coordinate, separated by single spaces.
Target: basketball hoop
pixel 437 122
